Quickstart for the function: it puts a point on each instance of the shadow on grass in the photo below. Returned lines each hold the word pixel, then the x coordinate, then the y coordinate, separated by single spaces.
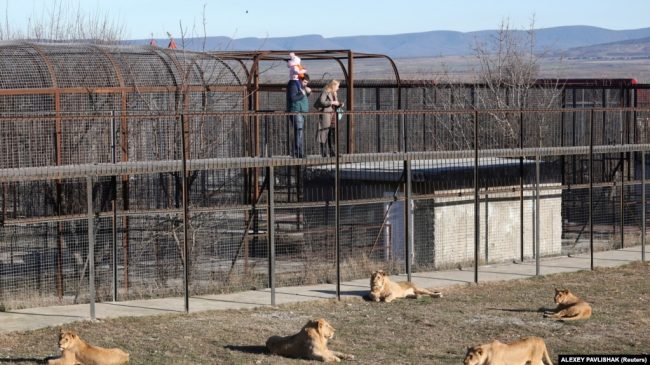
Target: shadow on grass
pixel 249 349
pixel 360 293
pixel 33 360
pixel 522 310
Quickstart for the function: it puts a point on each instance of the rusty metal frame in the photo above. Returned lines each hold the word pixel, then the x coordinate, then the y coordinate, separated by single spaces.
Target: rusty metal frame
pixel 59 161
pixel 253 87
pixel 125 181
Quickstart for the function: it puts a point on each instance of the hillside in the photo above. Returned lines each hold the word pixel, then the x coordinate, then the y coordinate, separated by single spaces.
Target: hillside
pixel 628 49
pixel 425 44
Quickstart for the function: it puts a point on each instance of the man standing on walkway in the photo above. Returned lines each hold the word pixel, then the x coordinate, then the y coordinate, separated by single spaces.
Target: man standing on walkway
pixel 297 102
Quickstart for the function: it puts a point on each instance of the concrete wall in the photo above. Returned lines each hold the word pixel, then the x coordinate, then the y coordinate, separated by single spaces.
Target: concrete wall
pixel 454 227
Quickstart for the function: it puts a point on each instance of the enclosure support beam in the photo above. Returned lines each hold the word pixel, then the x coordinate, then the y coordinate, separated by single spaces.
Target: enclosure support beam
pixel 562 117
pixel 123 108
pixel 408 241
pixel 337 213
pixel 58 136
pixel 622 199
pixel 114 209
pixel 486 220
pixel 591 188
pixel 257 138
pixel 538 201
pixel 643 207
pixel 477 206
pixel 186 250
pixel 91 246
pixel 622 157
pixel 350 101
pixel 521 187
pixel 270 216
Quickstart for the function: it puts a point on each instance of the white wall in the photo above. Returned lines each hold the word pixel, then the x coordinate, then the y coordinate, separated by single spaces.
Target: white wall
pixel 454 227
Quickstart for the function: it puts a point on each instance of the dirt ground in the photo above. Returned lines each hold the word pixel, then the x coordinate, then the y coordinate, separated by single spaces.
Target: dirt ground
pixel 416 331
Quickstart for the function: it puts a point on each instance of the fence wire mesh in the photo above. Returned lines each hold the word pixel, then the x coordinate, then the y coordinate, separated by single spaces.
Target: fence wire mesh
pixel 130 117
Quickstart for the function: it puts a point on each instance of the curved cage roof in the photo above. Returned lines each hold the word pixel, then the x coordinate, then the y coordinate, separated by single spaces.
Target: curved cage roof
pixel 33 66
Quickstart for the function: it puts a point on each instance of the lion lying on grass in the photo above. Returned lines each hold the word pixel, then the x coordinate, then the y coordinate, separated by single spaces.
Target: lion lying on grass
pixel 77 351
pixel 382 288
pixel 67 358
pixel 569 307
pixel 309 343
pixel 520 352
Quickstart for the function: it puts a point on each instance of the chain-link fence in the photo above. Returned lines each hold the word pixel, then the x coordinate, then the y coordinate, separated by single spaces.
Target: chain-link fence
pixel 139 172
pixel 307 220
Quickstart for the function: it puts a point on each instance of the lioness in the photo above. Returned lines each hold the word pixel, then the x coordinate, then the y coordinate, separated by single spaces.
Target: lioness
pixel 67 358
pixel 382 288
pixel 309 343
pixel 531 349
pixel 569 307
pixel 87 354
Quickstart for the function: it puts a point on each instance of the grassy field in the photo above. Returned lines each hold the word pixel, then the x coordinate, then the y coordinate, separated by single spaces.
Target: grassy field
pixel 423 331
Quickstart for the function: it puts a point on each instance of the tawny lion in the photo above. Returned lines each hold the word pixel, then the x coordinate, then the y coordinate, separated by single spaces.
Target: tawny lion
pixel 77 351
pixel 569 307
pixel 67 358
pixel 309 343
pixel 382 288
pixel 520 352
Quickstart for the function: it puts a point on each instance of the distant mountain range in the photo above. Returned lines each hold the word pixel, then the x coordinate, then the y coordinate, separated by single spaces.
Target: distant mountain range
pixel 571 41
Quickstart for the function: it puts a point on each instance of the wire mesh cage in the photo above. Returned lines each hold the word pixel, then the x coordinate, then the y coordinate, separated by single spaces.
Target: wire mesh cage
pixel 176 160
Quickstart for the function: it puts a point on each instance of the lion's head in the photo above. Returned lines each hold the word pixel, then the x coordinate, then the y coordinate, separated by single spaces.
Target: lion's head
pixel 475 356
pixel 378 280
pixel 322 327
pixel 563 295
pixel 67 339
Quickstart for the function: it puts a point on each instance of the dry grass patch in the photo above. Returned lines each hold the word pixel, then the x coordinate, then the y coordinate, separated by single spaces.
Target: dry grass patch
pixel 423 331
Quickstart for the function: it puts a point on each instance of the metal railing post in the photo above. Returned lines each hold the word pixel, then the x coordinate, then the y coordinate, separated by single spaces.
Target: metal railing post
pixel 622 199
pixel 521 187
pixel 538 201
pixel 477 207
pixel 114 199
pixel 270 216
pixel 407 219
pixel 91 246
pixel 337 211
pixel 643 207
pixel 186 249
pixel 591 188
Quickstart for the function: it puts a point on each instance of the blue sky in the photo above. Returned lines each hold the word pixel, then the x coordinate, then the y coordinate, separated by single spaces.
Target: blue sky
pixel 275 18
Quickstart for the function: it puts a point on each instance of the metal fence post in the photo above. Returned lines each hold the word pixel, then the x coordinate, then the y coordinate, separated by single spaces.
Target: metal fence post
pixel 487 224
pixel 622 200
pixel 407 218
pixel 643 206
pixel 538 201
pixel 91 245
pixel 186 250
pixel 591 188
pixel 521 187
pixel 114 198
pixel 337 211
pixel 270 217
pixel 477 207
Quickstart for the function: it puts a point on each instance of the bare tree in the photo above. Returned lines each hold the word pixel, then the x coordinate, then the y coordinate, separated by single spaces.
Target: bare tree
pixel 506 80
pixel 59 21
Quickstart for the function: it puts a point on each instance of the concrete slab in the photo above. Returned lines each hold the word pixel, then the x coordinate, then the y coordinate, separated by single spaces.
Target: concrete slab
pixel 34 318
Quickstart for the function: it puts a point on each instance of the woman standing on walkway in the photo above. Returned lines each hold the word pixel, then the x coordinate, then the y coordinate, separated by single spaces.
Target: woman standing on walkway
pixel 327 103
